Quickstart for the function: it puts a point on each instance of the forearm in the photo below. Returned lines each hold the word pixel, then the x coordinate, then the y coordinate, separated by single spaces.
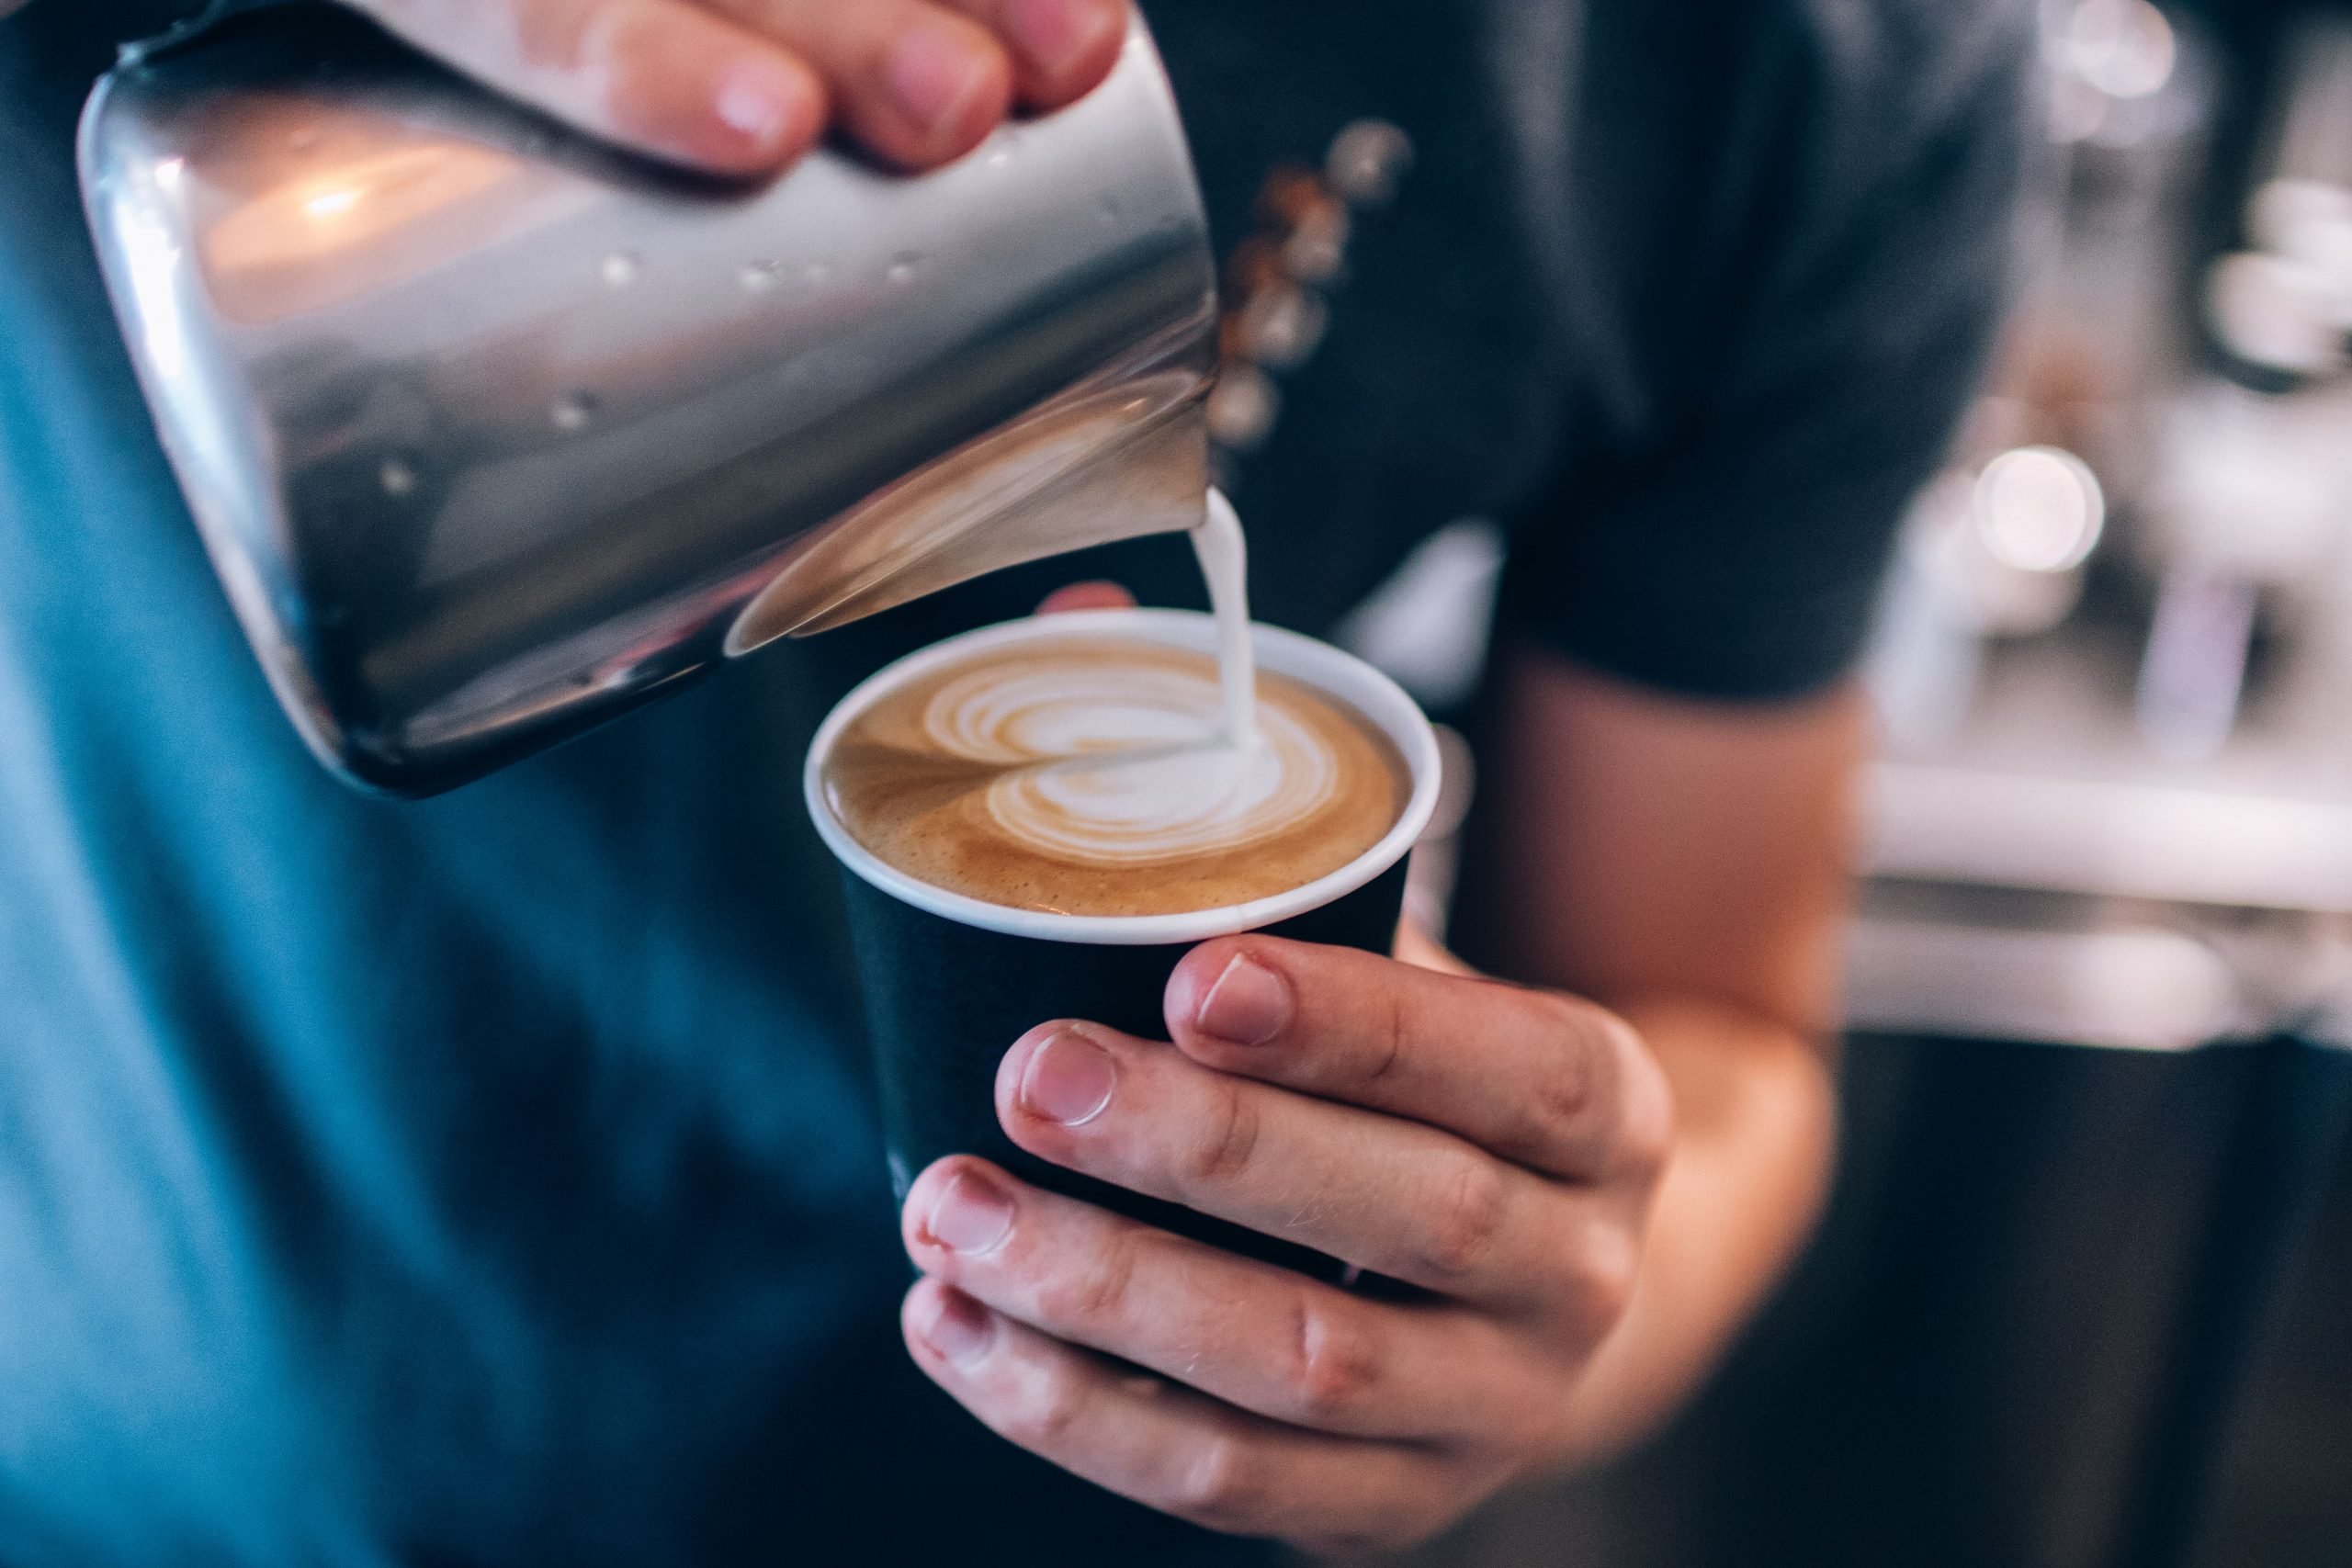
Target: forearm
pixel 1756 1119
pixel 1687 865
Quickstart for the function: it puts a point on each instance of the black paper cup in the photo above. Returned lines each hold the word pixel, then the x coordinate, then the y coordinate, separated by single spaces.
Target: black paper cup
pixel 950 981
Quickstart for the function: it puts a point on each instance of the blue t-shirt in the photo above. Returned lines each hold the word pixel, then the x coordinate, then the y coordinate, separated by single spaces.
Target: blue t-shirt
pixel 494 1179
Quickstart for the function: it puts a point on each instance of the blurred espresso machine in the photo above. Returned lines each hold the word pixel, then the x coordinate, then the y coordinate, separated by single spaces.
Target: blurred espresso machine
pixel 2102 978
pixel 2117 652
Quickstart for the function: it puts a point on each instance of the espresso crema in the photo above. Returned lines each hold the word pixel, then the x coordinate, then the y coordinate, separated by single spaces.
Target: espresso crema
pixel 1096 775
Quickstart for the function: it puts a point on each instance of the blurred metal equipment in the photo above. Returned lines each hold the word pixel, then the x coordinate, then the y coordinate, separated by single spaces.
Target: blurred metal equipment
pixel 493 435
pixel 2114 663
pixel 2284 302
pixel 2118 646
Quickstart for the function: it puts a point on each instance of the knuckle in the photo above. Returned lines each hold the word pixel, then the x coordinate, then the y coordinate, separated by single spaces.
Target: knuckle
pixel 1602 1276
pixel 1090 1291
pixel 1391 1030
pixel 1228 1137
pixel 1221 1486
pixel 1335 1367
pixel 1566 1081
pixel 1604 1085
pixel 1469 1206
pixel 1647 1141
pixel 1048 1413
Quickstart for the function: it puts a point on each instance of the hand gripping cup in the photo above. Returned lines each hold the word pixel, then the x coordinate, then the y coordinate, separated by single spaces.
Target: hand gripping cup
pixel 950 981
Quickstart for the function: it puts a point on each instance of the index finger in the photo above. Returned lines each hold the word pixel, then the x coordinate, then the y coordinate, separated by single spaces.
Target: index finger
pixel 666 78
pixel 1549 1081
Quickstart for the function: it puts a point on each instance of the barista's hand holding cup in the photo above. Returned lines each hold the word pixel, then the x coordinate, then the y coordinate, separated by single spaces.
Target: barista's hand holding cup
pixel 1096 1200
pixel 1042 818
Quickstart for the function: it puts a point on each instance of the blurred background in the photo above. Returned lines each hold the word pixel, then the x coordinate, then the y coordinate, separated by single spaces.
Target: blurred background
pixel 2084 1296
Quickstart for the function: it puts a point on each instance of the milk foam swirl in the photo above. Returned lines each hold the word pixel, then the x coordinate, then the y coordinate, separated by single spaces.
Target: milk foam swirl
pixel 1126 764
pixel 1091 775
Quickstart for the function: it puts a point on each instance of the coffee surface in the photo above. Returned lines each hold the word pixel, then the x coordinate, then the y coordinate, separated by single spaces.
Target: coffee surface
pixel 1091 775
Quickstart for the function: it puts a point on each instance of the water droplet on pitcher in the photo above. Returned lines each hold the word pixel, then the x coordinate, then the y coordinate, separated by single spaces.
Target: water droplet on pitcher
pixel 302 142
pixel 817 272
pixel 758 276
pixel 1110 212
pixel 902 266
pixel 999 156
pixel 620 269
pixel 572 410
pixel 396 477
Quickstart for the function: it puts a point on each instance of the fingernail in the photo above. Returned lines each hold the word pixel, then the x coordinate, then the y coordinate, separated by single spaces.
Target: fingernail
pixel 960 1328
pixel 973 1216
pixel 1247 1006
pixel 1070 1079
pixel 1057 34
pixel 757 104
pixel 933 73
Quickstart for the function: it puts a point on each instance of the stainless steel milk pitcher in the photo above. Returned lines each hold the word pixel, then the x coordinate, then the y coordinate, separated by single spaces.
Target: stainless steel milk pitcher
pixel 494 433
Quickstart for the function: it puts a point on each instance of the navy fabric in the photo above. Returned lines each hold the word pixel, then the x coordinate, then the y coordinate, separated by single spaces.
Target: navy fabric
pixel 494 1180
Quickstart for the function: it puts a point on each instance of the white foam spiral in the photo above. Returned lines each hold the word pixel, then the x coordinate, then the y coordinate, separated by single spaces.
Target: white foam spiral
pixel 1128 762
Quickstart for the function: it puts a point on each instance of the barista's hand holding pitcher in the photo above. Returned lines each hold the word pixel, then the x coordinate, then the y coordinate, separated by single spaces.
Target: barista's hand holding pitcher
pixel 745 86
pixel 1493 1146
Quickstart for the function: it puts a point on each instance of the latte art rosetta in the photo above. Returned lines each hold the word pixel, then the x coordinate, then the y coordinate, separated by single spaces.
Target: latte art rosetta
pixel 1093 776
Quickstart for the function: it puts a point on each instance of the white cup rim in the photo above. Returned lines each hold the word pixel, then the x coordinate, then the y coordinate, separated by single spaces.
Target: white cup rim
pixel 1318 664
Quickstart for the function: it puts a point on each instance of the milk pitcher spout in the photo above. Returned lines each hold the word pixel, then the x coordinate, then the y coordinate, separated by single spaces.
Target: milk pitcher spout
pixel 494 433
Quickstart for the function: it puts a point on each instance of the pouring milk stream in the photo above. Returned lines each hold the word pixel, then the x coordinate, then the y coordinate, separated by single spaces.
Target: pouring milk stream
pixel 1225 561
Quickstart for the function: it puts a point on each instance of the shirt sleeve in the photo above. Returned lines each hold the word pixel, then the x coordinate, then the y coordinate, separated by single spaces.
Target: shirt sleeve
pixel 1812 306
